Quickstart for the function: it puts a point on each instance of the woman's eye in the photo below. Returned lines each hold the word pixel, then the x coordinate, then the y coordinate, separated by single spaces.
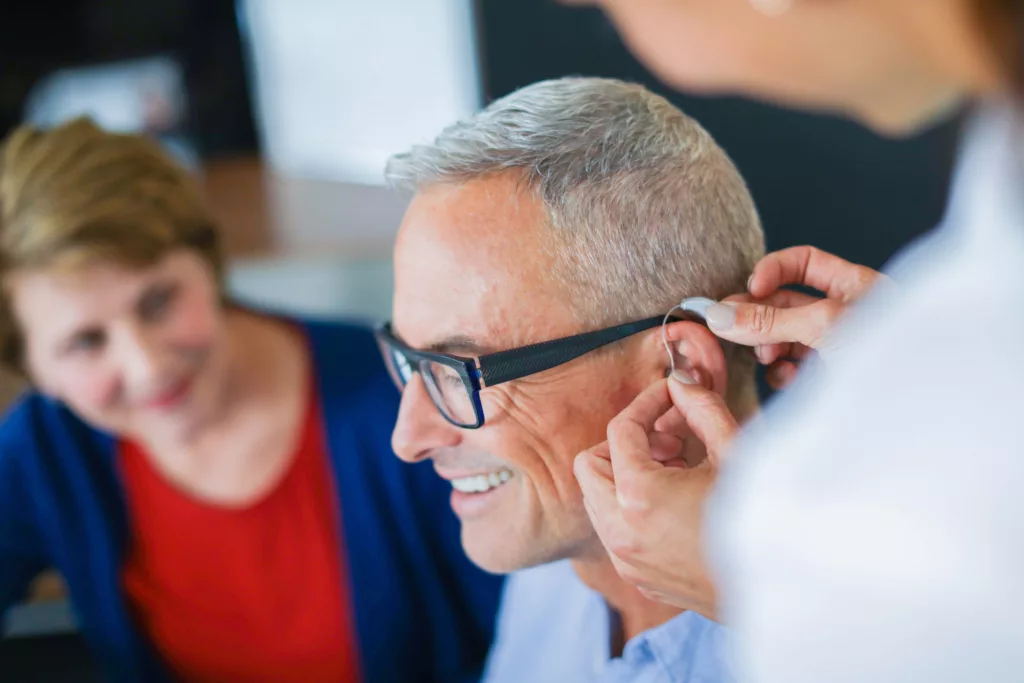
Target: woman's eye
pixel 88 340
pixel 156 302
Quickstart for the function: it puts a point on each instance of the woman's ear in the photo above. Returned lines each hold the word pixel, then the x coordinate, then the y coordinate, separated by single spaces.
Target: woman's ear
pixel 695 350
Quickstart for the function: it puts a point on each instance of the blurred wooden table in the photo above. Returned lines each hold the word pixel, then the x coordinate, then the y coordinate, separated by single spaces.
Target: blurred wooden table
pixel 263 215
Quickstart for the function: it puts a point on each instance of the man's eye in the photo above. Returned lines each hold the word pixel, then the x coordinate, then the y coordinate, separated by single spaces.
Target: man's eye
pixel 447 376
pixel 453 381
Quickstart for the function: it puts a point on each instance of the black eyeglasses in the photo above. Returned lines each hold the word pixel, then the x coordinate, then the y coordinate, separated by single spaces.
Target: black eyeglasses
pixel 454 382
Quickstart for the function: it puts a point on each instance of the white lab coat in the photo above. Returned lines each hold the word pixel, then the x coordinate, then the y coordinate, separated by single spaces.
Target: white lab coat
pixel 869 527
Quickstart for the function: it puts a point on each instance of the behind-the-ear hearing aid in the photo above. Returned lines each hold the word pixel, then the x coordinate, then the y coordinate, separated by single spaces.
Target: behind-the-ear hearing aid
pixel 695 305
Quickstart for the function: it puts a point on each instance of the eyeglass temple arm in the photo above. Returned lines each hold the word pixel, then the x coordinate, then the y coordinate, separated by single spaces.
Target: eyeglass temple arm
pixel 505 366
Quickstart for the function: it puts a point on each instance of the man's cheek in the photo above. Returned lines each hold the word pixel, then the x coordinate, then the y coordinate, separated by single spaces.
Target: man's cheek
pixel 619 396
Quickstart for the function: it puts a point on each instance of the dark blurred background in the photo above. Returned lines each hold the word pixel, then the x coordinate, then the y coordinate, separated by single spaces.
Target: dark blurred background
pixel 816 179
pixel 40 37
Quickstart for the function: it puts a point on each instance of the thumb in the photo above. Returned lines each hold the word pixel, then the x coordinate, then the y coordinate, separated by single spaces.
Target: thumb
pixel 757 324
pixel 629 443
pixel 707 415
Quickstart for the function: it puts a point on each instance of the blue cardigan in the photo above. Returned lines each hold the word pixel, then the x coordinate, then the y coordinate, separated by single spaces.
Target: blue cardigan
pixel 423 612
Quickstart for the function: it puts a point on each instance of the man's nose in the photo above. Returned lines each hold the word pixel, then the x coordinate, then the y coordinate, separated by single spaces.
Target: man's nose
pixel 420 427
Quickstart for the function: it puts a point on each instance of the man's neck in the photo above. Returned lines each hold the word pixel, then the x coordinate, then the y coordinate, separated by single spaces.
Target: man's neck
pixel 636 613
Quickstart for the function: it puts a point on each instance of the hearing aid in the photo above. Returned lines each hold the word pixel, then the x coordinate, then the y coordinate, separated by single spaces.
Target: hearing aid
pixel 698 305
pixel 695 305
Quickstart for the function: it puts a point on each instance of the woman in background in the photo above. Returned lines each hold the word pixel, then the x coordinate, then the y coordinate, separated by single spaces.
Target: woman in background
pixel 870 526
pixel 216 485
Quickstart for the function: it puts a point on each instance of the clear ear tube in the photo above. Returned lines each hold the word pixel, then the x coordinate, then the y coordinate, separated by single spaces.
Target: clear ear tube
pixel 695 305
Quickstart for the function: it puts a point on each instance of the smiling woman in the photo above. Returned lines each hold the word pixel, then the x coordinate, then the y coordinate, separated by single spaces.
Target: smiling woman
pixel 113 274
pixel 183 461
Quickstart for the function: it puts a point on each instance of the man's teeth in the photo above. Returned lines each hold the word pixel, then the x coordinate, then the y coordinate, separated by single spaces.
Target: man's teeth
pixel 481 483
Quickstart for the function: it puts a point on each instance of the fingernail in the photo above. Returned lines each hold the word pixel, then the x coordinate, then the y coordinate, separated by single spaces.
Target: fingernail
pixel 720 316
pixel 683 377
pixel 749 280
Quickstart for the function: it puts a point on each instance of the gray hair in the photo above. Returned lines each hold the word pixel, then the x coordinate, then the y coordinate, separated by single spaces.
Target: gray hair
pixel 645 208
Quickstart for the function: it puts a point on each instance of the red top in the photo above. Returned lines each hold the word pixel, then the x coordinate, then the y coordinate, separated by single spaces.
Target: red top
pixel 243 594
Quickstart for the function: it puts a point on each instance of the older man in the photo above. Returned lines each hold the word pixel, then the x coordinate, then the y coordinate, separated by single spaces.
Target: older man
pixel 547 238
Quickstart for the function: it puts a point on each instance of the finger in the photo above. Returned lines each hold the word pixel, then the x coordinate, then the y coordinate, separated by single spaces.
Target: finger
pixel 672 422
pixel 596 480
pixel 600 451
pixel 760 324
pixel 599 498
pixel 769 353
pixel 665 448
pixel 628 432
pixel 707 415
pixel 782 298
pixel 781 374
pixel 837 278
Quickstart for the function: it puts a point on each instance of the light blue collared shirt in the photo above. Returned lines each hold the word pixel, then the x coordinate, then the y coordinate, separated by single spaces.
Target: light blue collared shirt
pixel 554 629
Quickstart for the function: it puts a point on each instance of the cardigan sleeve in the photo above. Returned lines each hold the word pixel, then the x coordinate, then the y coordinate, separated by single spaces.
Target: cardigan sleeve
pixel 22 556
pixel 474 594
pixel 403 538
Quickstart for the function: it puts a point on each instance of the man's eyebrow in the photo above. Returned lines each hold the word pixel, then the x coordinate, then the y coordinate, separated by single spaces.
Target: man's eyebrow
pixel 459 343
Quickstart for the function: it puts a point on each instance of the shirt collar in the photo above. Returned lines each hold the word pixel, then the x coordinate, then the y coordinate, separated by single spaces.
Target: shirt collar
pixel 681 647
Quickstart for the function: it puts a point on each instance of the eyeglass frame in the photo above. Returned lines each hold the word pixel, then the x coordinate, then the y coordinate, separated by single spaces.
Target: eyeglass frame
pixel 496 368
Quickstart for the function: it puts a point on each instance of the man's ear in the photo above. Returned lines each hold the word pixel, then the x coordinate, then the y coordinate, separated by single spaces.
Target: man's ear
pixel 695 350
